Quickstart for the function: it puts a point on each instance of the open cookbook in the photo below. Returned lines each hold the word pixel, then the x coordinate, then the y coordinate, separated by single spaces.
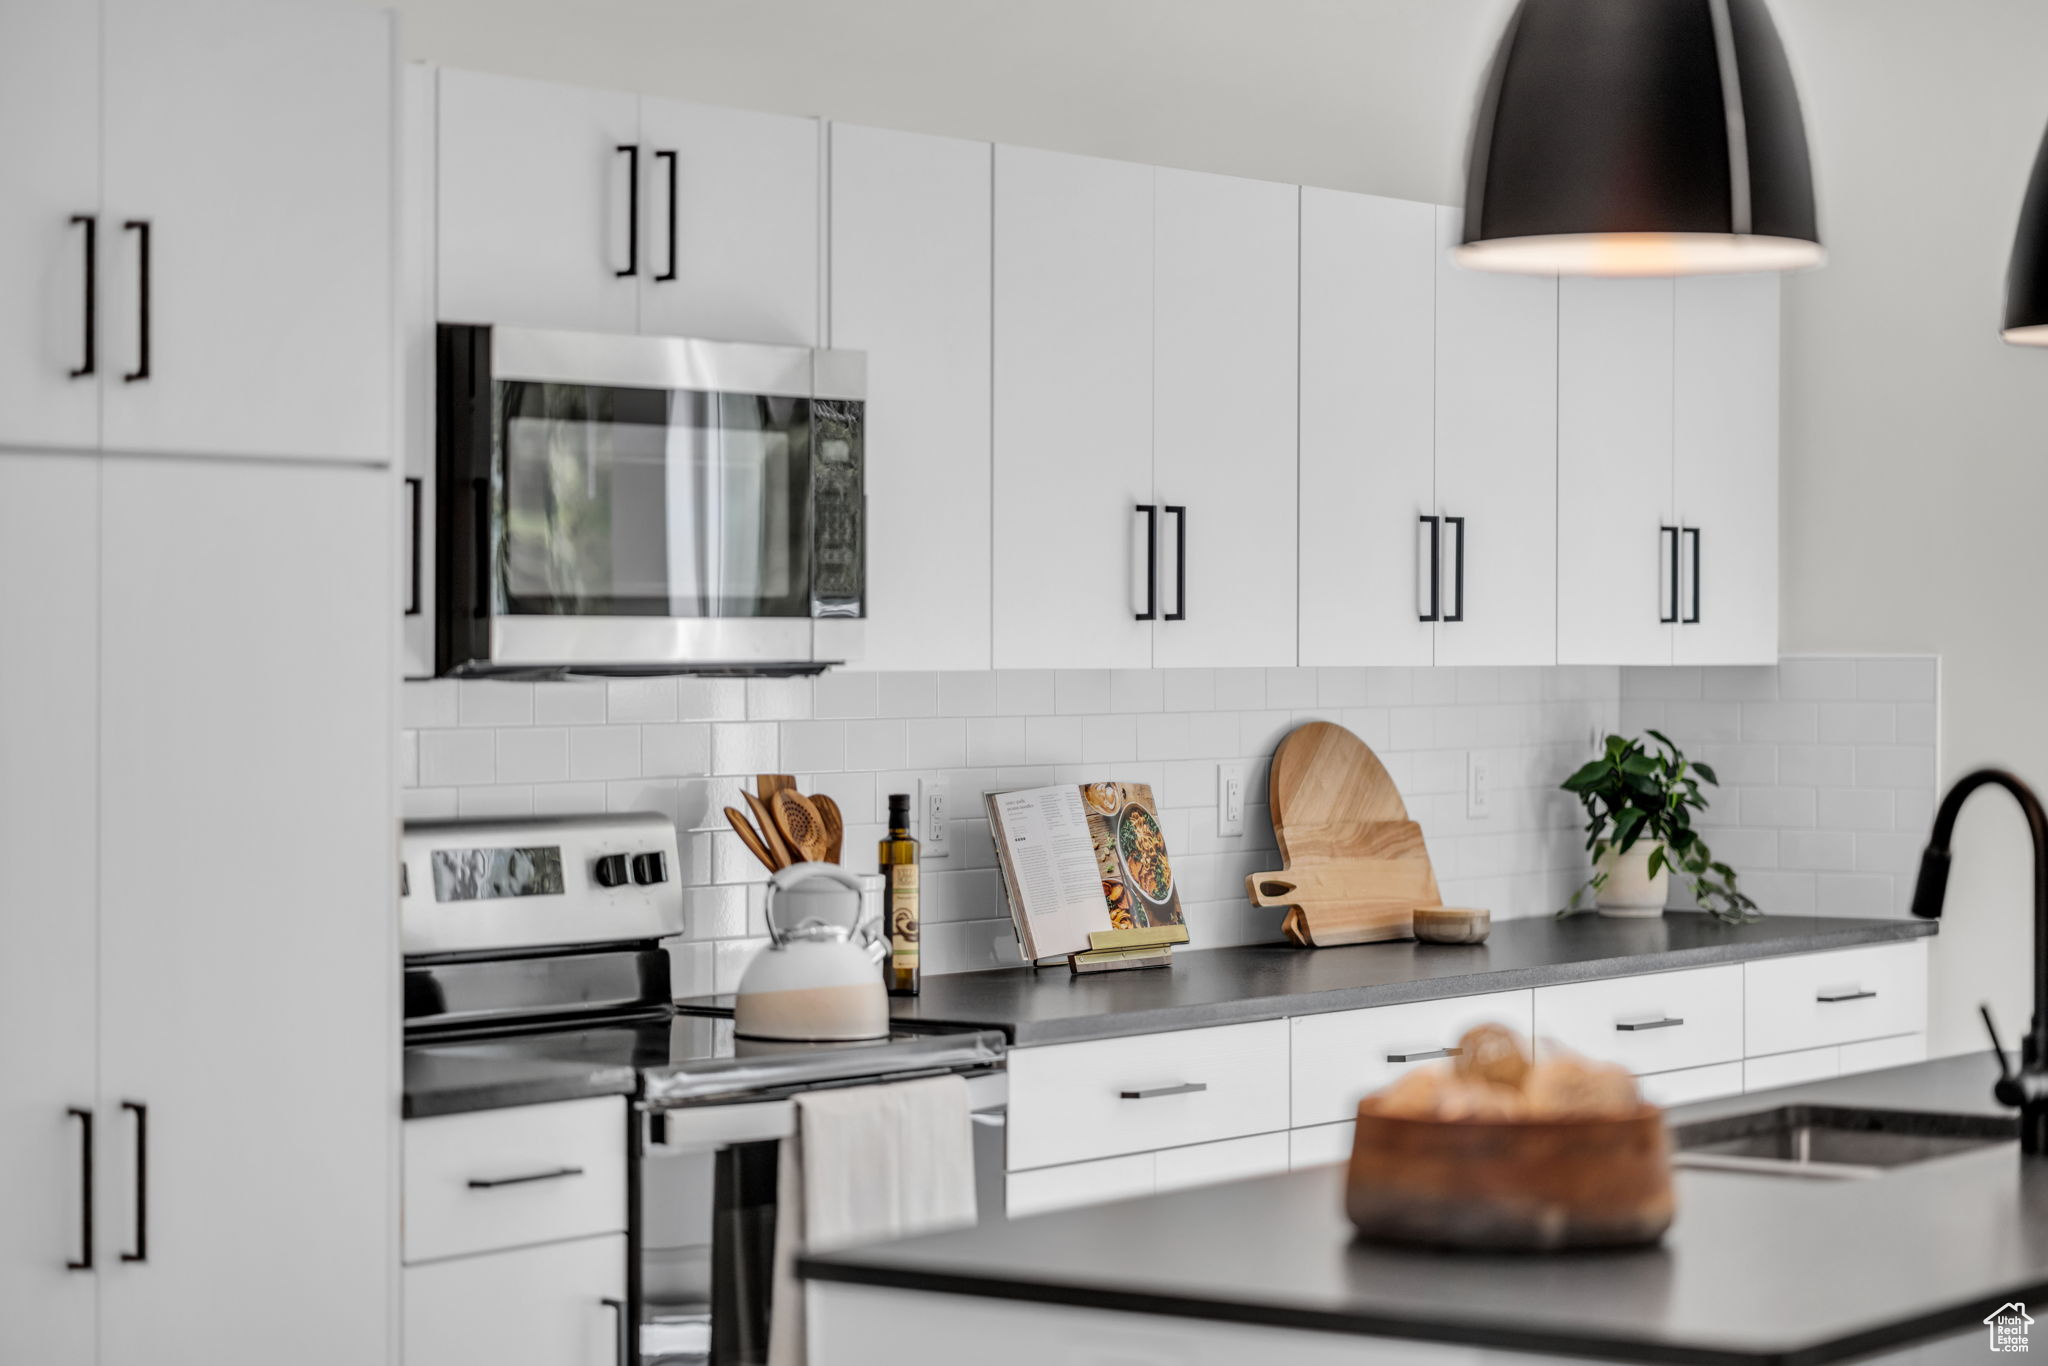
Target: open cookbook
pixel 1082 859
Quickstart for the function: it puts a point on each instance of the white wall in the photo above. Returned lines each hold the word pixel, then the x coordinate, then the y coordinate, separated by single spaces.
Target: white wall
pixel 1913 470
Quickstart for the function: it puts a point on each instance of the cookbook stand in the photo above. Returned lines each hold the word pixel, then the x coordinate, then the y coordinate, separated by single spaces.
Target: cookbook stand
pixel 1122 950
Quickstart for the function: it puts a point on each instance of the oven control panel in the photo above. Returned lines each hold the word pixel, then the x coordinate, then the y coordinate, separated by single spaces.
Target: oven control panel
pixel 475 885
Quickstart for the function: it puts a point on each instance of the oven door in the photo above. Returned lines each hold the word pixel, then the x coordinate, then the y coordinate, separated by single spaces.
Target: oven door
pixel 644 504
pixel 704 1222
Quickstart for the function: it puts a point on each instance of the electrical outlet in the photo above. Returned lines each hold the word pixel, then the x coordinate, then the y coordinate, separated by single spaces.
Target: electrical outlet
pixel 937 818
pixel 1478 785
pixel 1230 799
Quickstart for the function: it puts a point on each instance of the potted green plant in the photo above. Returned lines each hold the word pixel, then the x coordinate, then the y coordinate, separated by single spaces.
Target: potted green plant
pixel 1639 809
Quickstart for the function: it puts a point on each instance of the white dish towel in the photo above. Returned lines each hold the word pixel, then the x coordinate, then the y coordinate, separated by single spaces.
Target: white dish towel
pixel 867 1164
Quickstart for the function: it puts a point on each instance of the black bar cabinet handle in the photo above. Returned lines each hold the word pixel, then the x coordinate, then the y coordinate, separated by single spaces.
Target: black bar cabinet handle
pixel 1457 613
pixel 1426 1055
pixel 84 1262
pixel 624 1338
pixel 1694 618
pixel 141 1113
pixel 1436 569
pixel 481 488
pixel 1180 555
pixel 1151 611
pixel 140 227
pixel 1637 1026
pixel 91 224
pixel 1186 1088
pixel 491 1183
pixel 670 158
pixel 1670 615
pixel 632 153
pixel 414 486
pixel 1829 998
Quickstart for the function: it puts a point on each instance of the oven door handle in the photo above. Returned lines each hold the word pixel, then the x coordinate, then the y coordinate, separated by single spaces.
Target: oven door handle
pixel 622 1340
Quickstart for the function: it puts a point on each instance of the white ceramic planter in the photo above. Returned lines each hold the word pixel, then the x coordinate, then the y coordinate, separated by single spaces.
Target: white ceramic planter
pixel 1629 890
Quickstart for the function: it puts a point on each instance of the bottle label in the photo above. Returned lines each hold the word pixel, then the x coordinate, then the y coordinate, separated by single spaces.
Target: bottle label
pixel 903 915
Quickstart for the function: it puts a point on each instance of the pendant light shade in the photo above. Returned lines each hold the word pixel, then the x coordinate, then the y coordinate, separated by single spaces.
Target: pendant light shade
pixel 1639 137
pixel 2026 275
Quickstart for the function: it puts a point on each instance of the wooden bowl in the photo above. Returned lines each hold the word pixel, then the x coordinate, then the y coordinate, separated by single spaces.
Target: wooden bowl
pixel 1451 924
pixel 1510 1185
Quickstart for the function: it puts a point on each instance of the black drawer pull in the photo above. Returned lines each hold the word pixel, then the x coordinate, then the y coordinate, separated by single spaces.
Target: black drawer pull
pixel 1151 612
pixel 1180 560
pixel 1693 618
pixel 1637 1026
pixel 493 1182
pixel 1186 1088
pixel 1828 998
pixel 631 151
pixel 141 1113
pixel 140 227
pixel 91 224
pixel 413 486
pixel 1436 570
pixel 1457 613
pixel 670 158
pixel 1427 1055
pixel 84 1262
pixel 1669 617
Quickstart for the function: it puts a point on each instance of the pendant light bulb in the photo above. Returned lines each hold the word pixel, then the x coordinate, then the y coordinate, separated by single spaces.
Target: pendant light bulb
pixel 1639 137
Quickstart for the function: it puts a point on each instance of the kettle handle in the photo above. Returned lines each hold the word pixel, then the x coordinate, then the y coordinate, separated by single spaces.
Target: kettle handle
pixel 797 873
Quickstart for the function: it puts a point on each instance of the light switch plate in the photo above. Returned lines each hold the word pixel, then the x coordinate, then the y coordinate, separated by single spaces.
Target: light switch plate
pixel 1478 785
pixel 938 813
pixel 1230 799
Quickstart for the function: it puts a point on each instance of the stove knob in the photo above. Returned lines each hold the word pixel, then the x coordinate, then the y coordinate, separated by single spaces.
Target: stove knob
pixel 650 868
pixel 611 870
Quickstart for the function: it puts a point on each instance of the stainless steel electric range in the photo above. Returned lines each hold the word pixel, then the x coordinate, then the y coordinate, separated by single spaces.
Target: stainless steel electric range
pixel 541 940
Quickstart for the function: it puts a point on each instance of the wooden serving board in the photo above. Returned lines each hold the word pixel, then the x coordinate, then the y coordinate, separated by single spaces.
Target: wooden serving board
pixel 1357 867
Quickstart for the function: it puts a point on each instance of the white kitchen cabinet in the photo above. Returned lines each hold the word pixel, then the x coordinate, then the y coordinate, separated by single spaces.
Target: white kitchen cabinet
pixel 1232 1159
pixel 741 189
pixel 1226 280
pixel 910 286
pixel 1368 456
pixel 1617 541
pixel 1791 1069
pixel 246 235
pixel 1692 1084
pixel 1726 460
pixel 1496 461
pixel 1079 1183
pixel 1320 1145
pixel 549 1172
pixel 1874 1055
pixel 50 164
pixel 417 164
pixel 49 1013
pixel 1339 1058
pixel 1655 1022
pixel 1816 999
pixel 559 1305
pixel 1073 413
pixel 534 182
pixel 248 962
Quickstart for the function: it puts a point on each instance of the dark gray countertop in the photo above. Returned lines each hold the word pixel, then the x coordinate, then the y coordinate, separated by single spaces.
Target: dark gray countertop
pixel 1755 1269
pixel 1269 981
pixel 456 1078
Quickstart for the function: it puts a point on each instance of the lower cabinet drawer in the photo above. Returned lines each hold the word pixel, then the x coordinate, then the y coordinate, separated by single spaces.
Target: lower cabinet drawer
pixel 1692 1084
pixel 507 1178
pixel 1811 1000
pixel 1234 1159
pixel 1072 1102
pixel 1341 1057
pixel 1320 1144
pixel 1079 1183
pixel 1791 1069
pixel 559 1305
pixel 1659 1022
pixel 1874 1055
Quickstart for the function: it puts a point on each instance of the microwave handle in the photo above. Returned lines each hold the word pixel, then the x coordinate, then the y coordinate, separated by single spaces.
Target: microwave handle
pixel 481 489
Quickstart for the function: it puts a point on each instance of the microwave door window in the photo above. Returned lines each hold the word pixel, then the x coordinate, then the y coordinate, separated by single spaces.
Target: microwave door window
pixel 736 537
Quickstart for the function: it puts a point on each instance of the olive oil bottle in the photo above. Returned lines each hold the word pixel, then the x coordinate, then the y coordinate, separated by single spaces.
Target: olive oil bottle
pixel 899 869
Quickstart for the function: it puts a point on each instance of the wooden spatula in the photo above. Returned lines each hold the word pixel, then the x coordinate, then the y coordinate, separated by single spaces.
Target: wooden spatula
pixel 803 829
pixel 771 836
pixel 835 825
pixel 750 837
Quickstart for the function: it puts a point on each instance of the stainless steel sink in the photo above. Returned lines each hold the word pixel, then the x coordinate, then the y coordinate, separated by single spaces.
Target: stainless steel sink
pixel 1827 1142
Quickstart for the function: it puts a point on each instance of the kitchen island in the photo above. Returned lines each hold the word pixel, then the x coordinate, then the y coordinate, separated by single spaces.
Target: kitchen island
pixel 1756 1269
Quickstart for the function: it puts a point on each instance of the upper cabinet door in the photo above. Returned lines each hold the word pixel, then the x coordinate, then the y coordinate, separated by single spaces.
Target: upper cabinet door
pixel 1368 373
pixel 1496 461
pixel 1226 280
pixel 274 576
pixel 1727 469
pixel 729 203
pixel 49 918
pixel 910 286
pixel 50 165
pixel 1073 413
pixel 248 229
pixel 535 181
pixel 1617 545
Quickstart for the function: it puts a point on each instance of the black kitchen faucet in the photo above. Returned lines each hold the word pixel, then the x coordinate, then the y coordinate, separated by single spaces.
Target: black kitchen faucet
pixel 2028 1089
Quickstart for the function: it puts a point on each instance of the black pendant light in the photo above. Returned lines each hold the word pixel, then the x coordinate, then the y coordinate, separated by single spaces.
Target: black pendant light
pixel 2026 275
pixel 1639 137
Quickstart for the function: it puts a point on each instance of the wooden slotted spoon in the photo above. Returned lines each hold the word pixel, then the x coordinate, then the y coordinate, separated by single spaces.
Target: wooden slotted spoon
pixel 803 829
pixel 835 825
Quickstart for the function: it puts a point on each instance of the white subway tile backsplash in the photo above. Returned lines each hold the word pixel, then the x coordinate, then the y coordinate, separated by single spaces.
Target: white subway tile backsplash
pixel 1752 684
pixel 536 754
pixel 1738 765
pixel 1917 723
pixel 1909 766
pixel 427 803
pixel 745 747
pixel 816 746
pixel 872 745
pixel 1291 688
pixel 1240 689
pixel 993 741
pixel 1189 689
pixel 1341 688
pixel 457 758
pixel 1133 690
pixel 1113 739
pixel 604 752
pixel 1896 854
pixel 842 695
pixel 1854 809
pixel 491 803
pixel 907 694
pixel 427 706
pixel 1780 722
pixel 1858 723
pixel 1026 692
pixel 1896 680
pixel 778 699
pixel 569 704
pixel 487 702
pixel 680 750
pixel 408 758
pixel 1821 851
pixel 967 694
pixel 1777 807
pixel 1816 765
pixel 1080 691
pixel 1052 739
pixel 568 799
pixel 940 742
pixel 1661 684
pixel 633 700
pixel 710 699
pixel 1718 723
pixel 1817 680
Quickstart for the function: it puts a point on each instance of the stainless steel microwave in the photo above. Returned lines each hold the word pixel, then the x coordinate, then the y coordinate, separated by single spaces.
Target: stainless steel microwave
pixel 618 505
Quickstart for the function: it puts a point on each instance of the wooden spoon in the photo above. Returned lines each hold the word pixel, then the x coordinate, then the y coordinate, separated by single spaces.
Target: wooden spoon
pixel 835 826
pixel 803 829
pixel 770 836
pixel 768 784
pixel 750 837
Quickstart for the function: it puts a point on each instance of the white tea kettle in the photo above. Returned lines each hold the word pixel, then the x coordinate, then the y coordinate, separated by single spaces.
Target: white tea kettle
pixel 820 978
